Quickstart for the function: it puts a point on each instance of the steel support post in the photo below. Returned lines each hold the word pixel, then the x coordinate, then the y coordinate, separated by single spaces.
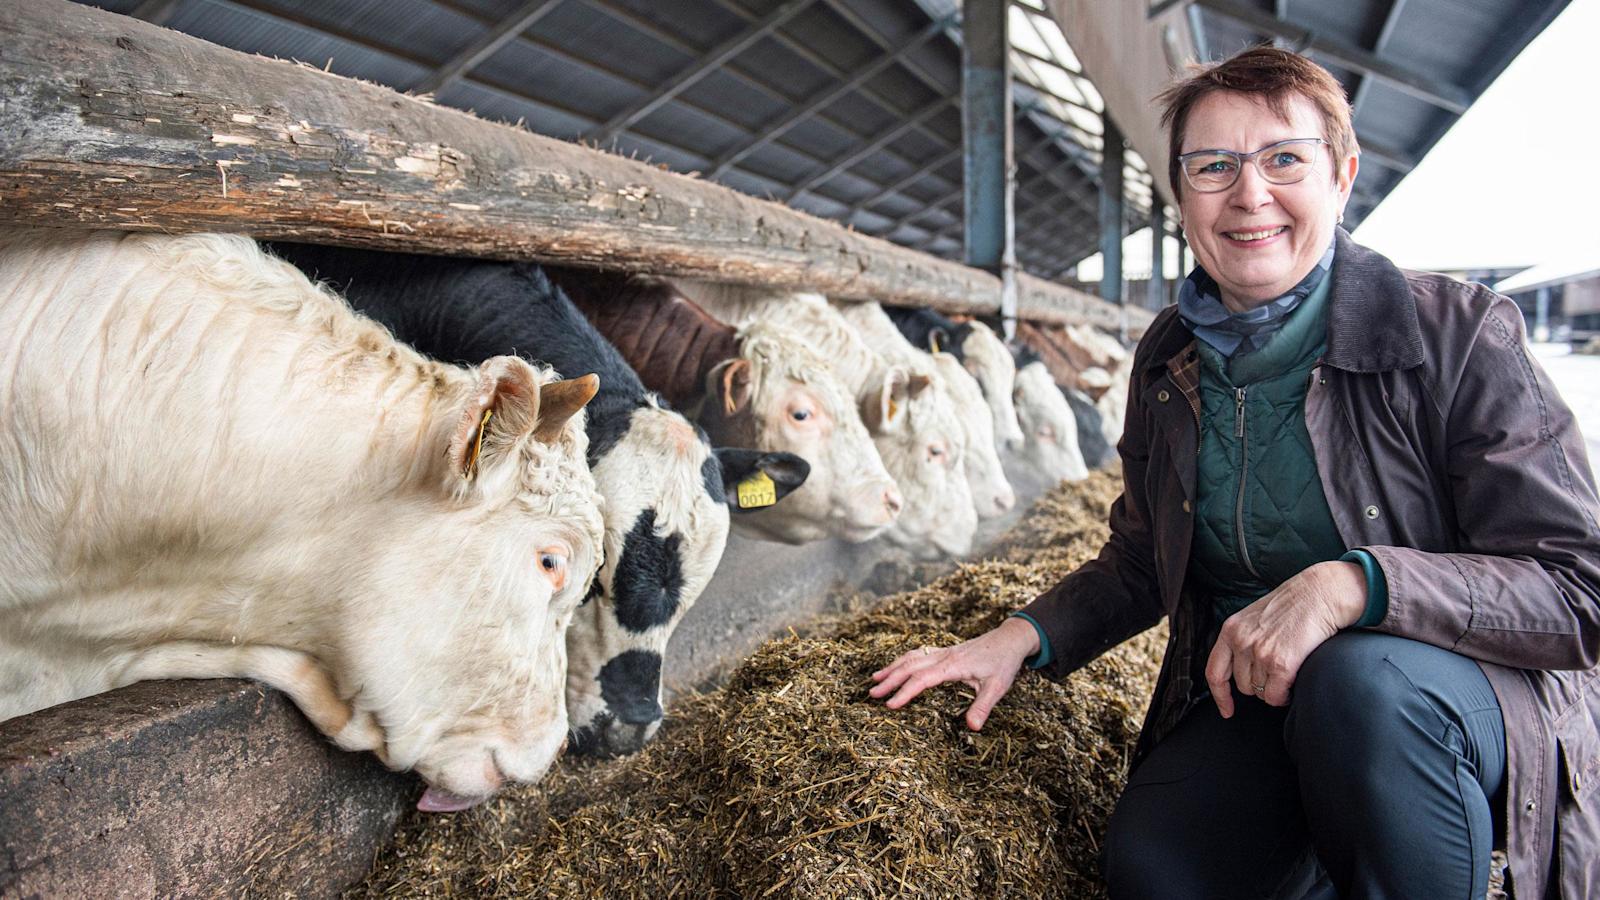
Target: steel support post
pixel 986 123
pixel 1111 204
pixel 1156 294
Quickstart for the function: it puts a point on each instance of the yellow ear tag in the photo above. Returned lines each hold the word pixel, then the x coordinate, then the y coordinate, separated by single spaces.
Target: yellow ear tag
pixel 477 447
pixel 757 491
pixel 894 409
pixel 933 341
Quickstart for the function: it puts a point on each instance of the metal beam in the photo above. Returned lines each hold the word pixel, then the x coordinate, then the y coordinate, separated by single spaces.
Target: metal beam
pixel 1388 157
pixel 1111 206
pixel 866 150
pixel 713 59
pixel 773 130
pixel 1378 46
pixel 1156 291
pixel 1342 53
pixel 485 46
pixel 988 202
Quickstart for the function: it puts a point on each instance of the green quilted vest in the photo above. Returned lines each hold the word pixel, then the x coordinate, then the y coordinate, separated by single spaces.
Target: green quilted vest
pixel 1261 516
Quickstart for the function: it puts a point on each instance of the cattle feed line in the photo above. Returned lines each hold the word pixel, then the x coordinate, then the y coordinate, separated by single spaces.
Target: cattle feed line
pixel 110 122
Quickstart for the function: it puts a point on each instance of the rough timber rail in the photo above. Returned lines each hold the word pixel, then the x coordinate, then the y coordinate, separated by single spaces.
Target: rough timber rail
pixel 106 121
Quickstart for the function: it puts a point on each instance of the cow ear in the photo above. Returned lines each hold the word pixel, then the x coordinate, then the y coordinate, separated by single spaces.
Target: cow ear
pixel 916 384
pixel 884 408
pixel 729 382
pixel 501 411
pixel 752 479
pixel 559 401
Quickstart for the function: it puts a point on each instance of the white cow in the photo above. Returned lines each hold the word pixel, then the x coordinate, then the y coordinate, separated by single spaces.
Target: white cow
pixel 1051 449
pixel 915 428
pixel 212 468
pixel 985 355
pixel 992 494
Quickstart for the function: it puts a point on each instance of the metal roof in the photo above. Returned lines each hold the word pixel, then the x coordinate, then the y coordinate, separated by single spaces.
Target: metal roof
pixel 1410 67
pixel 848 109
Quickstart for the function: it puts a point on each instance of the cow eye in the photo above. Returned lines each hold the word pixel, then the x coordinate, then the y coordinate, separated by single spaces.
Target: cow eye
pixel 1046 433
pixel 800 415
pixel 553 562
pixel 935 450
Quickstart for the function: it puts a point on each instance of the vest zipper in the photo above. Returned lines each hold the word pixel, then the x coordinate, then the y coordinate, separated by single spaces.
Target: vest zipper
pixel 1244 473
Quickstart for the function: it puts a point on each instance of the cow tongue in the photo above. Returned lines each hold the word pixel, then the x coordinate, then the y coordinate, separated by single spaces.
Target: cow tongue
pixel 435 800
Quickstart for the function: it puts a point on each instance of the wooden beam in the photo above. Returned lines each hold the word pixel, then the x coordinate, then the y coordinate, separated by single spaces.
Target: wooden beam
pixel 115 123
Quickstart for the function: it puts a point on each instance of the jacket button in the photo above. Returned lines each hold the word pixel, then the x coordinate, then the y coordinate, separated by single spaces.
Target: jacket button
pixel 1186 506
pixel 1372 512
pixel 1531 807
pixel 1163 396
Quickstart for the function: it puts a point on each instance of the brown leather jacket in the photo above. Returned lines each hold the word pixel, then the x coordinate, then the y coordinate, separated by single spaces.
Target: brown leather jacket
pixel 1445 451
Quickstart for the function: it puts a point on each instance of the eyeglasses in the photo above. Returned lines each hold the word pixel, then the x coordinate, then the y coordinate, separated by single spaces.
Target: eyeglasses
pixel 1285 162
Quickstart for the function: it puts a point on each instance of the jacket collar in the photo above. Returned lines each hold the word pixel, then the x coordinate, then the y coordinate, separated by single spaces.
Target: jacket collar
pixel 1372 316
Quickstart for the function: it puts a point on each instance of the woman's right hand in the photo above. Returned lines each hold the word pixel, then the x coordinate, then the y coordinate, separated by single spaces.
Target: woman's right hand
pixel 989 663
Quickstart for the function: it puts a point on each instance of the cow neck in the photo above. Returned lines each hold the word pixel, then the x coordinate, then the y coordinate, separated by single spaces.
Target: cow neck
pixel 671 343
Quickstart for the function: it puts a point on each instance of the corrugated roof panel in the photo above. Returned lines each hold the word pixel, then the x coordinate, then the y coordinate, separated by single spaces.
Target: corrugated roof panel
pixel 575 31
pixel 633 146
pixel 527 69
pixel 417 28
pixel 696 22
pixel 503 107
pixel 736 99
pixel 700 132
pixel 254 31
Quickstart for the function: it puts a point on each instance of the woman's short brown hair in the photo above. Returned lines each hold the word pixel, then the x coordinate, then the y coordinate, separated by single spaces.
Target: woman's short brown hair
pixel 1275 76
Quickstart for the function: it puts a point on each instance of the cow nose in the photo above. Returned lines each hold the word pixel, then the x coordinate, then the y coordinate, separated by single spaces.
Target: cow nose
pixel 892 501
pixel 1004 502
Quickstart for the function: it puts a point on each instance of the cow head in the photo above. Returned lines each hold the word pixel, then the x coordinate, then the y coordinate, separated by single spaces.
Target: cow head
pixel 455 640
pixel 915 427
pixel 1051 429
pixel 666 524
pixel 778 395
pixel 991 492
pixel 986 357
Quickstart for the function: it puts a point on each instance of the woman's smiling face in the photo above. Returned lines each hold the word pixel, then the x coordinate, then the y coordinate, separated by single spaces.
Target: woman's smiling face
pixel 1256 238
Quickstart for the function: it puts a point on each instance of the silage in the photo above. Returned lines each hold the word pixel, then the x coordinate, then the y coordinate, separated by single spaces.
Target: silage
pixel 790 782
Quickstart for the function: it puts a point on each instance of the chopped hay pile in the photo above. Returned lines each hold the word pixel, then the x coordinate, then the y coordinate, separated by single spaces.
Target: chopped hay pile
pixel 791 782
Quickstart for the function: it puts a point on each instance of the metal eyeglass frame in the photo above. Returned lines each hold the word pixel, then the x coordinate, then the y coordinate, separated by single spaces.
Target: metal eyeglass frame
pixel 1254 157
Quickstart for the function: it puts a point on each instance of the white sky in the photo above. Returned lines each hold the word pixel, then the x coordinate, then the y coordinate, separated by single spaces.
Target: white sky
pixel 1515 182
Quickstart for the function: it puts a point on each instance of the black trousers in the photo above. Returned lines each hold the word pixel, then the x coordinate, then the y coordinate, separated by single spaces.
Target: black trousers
pixel 1378 780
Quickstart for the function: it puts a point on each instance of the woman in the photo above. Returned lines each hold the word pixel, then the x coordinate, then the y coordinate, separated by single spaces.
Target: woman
pixel 1373 526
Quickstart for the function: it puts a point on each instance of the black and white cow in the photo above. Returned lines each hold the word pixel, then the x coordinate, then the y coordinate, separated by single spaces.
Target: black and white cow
pixel 667 493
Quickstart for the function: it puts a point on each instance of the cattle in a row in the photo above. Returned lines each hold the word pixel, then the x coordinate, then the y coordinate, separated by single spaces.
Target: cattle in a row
pixel 214 469
pixel 756 386
pixel 835 410
pixel 667 492
pixel 911 417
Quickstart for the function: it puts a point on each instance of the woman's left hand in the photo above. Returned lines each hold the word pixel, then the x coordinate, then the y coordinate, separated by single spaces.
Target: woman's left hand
pixel 1262 646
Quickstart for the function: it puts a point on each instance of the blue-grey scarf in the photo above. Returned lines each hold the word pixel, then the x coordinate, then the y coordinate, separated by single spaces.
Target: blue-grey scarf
pixel 1200 306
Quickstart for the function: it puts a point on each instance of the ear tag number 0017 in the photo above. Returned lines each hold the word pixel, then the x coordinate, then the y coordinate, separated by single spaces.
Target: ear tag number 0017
pixel 757 491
